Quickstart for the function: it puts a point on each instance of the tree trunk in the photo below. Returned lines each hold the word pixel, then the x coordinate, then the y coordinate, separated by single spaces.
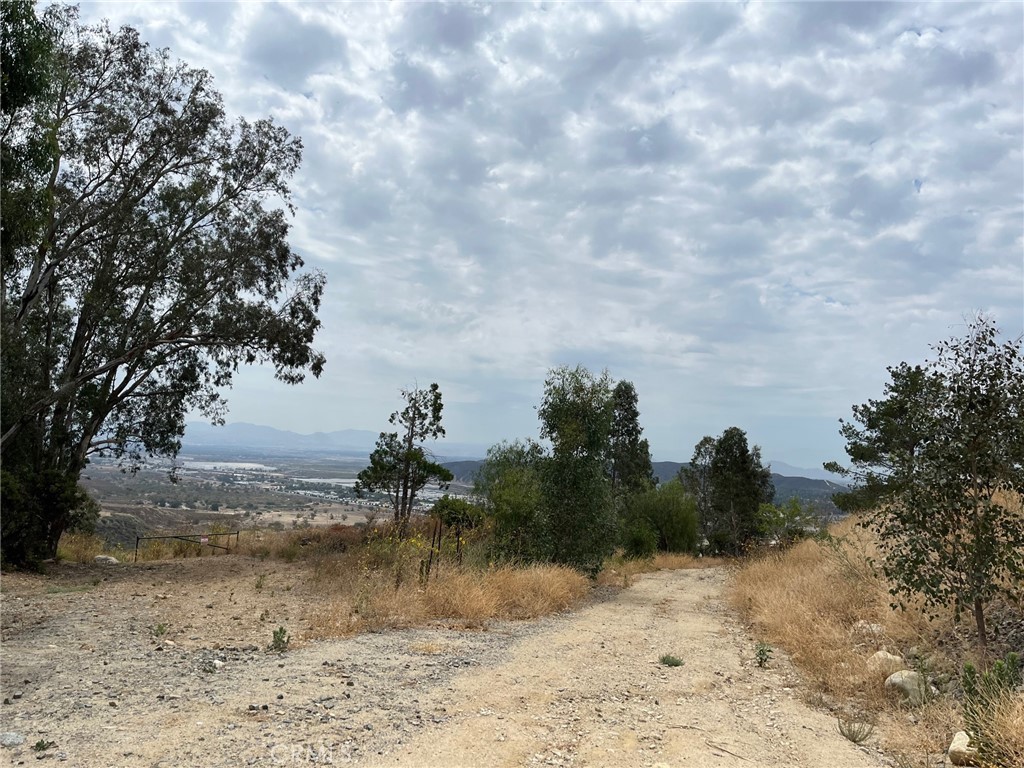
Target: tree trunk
pixel 979 619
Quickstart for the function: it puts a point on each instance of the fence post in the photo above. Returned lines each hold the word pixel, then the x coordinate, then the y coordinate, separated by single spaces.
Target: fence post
pixel 136 549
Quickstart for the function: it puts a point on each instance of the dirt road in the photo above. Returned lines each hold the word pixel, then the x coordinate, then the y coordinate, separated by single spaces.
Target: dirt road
pixel 581 689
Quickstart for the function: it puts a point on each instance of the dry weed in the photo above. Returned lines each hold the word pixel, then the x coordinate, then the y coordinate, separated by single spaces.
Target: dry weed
pixel 1006 728
pixel 80 547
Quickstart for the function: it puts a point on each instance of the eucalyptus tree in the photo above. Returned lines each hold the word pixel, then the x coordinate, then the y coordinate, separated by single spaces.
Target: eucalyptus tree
pixel 147 259
pixel 576 415
pixel 630 469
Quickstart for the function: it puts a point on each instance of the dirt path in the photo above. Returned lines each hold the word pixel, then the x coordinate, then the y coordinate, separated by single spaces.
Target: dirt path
pixel 581 689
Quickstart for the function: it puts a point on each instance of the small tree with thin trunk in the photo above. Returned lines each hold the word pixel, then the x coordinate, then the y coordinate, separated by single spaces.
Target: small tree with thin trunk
pixel 939 465
pixel 400 466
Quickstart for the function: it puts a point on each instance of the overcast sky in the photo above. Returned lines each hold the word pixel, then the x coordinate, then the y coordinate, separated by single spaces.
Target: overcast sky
pixel 747 210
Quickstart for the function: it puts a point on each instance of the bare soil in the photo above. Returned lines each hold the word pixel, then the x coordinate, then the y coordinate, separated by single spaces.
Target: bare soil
pixel 166 664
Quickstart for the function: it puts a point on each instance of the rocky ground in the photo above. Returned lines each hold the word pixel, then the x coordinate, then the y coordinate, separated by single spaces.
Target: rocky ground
pixel 166 664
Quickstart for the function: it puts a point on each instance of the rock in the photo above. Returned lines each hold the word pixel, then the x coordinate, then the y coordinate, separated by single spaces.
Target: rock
pixel 11 739
pixel 883 664
pixel 107 559
pixel 911 684
pixel 867 628
pixel 960 751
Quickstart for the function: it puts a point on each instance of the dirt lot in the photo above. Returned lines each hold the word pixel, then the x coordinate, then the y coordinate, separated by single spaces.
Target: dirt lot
pixel 166 664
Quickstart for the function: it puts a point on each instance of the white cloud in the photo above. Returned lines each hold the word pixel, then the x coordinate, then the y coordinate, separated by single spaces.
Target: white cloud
pixel 748 210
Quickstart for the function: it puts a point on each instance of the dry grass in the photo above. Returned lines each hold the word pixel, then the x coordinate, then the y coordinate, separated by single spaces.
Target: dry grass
pixel 358 598
pixel 1006 728
pixel 826 605
pixel 80 547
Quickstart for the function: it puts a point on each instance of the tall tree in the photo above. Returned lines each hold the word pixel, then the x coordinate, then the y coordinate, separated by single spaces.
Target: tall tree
pixel 144 262
pixel 938 463
pixel 576 416
pixel 630 469
pixel 739 485
pixel 400 465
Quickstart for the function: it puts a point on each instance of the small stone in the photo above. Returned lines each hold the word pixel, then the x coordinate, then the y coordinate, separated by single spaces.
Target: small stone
pixel 105 559
pixel 280 696
pixel 11 739
pixel 960 750
pixel 883 664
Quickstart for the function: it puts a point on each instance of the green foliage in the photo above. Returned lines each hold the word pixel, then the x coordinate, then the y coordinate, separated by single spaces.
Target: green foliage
pixel 510 484
pixel 639 541
pixel 142 263
pixel 576 415
pixel 630 469
pixel 936 461
pixel 696 478
pixel 982 692
pixel 786 524
pixel 279 642
pixel 37 509
pixel 762 654
pixel 671 661
pixel 729 484
pixel 457 513
pixel 670 513
pixel 560 505
pixel 400 466
pixel 42 745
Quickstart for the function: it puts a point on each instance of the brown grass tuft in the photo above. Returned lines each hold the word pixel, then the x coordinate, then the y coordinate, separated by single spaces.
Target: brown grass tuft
pixel 1006 728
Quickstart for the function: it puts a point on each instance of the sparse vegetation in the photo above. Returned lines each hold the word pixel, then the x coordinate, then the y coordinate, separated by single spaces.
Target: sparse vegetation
pixel 280 641
pixel 993 711
pixel 827 605
pixel 855 729
pixel 670 661
pixel 762 654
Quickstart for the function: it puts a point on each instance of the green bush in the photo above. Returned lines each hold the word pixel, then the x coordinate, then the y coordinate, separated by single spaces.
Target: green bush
pixel 639 541
pixel 670 513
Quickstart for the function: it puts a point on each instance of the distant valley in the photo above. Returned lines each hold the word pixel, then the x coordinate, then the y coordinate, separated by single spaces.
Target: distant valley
pixel 242 441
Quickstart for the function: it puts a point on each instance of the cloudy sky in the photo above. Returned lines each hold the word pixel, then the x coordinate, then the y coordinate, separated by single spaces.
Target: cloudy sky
pixel 748 210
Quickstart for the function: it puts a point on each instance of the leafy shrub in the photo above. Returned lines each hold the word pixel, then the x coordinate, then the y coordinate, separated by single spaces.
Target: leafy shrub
pixel 638 540
pixel 671 661
pixel 671 515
